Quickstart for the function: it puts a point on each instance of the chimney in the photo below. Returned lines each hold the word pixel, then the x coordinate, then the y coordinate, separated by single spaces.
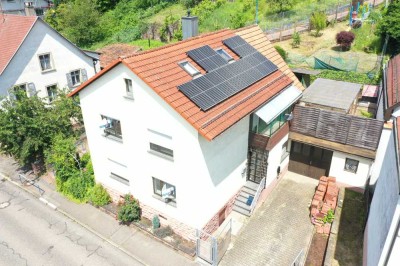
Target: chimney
pixel 190 26
pixel 29 9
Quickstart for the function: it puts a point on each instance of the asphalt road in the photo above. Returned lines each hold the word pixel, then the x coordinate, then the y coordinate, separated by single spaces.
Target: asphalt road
pixel 32 233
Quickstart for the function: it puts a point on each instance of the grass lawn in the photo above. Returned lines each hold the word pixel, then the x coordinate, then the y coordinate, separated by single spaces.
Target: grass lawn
pixel 349 246
pixel 366 40
pixel 175 10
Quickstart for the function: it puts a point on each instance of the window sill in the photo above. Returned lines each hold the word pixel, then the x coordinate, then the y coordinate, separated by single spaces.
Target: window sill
pixel 159 154
pixel 169 202
pixel 48 70
pixel 108 136
pixel 129 97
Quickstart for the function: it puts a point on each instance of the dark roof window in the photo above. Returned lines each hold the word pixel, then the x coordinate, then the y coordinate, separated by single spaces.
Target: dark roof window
pixel 224 54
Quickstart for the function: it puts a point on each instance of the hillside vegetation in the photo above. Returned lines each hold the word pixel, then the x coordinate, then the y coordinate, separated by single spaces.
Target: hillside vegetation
pixel 96 23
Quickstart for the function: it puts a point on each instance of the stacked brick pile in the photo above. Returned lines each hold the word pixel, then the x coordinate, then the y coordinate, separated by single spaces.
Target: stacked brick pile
pixel 325 199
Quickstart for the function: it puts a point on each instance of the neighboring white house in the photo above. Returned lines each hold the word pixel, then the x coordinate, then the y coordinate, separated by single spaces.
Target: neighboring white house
pixel 37 59
pixel 382 233
pixel 25 7
pixel 177 137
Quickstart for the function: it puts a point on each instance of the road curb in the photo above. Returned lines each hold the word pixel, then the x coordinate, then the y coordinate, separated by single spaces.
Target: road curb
pixel 51 205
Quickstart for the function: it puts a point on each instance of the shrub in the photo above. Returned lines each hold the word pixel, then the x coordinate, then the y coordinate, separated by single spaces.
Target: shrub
pixel 130 210
pixel 163 231
pixel 345 39
pixel 296 39
pixel 99 196
pixel 328 218
pixel 281 51
pixel 318 22
pixel 156 222
pixel 76 187
pixel 367 114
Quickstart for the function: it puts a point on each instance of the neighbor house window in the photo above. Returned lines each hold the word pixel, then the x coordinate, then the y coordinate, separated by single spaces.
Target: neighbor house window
pixel 52 92
pixel 119 179
pixel 45 62
pixel 161 150
pixel 189 68
pixel 39 11
pixel 128 87
pixel 164 190
pixel 112 127
pixel 224 54
pixel 351 165
pixel 76 77
pixel 18 89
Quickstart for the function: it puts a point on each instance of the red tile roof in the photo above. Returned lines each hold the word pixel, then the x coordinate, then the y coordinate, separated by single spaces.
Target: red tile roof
pixel 111 52
pixel 159 69
pixel 13 30
pixel 393 81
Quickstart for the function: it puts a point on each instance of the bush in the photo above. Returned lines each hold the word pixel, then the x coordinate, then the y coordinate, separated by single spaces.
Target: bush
pixel 163 231
pixel 99 196
pixel 318 22
pixel 296 39
pixel 281 51
pixel 76 187
pixel 130 210
pixel 156 222
pixel 345 39
pixel 367 114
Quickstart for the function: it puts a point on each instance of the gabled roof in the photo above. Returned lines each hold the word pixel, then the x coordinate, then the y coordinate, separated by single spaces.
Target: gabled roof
pixel 112 52
pixel 159 69
pixel 393 81
pixel 13 30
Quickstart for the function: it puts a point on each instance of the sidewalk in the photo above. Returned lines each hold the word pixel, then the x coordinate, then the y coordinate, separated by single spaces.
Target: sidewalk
pixel 130 240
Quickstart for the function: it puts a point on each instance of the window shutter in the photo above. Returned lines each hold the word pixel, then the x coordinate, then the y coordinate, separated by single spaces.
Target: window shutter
pixel 69 80
pixel 84 74
pixel 31 89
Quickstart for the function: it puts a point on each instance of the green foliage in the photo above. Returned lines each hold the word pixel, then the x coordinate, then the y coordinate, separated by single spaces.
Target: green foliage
pixel 130 210
pixel 144 44
pixel 367 114
pixel 29 124
pixel 390 25
pixel 205 8
pixel 318 22
pixel 347 76
pixel 163 231
pixel 237 20
pixel 156 222
pixel 99 196
pixel 366 40
pixel 329 217
pixel 296 39
pixel 281 5
pixel 281 52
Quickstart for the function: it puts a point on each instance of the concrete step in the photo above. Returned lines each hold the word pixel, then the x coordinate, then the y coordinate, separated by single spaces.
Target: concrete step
pixel 242 205
pixel 243 197
pixel 242 211
pixel 252 185
pixel 249 191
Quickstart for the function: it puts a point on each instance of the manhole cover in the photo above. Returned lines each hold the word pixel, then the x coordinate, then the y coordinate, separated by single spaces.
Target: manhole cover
pixel 4 205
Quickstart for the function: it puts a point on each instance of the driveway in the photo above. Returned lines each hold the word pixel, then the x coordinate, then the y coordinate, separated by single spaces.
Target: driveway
pixel 279 229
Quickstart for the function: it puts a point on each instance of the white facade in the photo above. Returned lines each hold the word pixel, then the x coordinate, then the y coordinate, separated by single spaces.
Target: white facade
pixel 351 179
pixel 25 67
pixel 382 222
pixel 206 174
pixel 18 7
pixel 275 160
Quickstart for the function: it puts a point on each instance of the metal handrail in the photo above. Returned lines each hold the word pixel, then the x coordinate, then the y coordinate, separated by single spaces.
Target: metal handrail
pixel 260 188
pixel 298 261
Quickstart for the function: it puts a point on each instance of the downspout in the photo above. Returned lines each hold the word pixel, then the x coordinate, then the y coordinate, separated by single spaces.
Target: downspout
pixel 95 61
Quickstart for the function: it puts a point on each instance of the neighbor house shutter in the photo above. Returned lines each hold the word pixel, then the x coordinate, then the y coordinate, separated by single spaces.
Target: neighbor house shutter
pixel 84 74
pixel 69 80
pixel 31 89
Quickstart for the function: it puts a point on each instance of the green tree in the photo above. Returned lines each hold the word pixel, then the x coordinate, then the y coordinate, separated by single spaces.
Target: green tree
pixel 281 5
pixel 29 125
pixel 318 22
pixel 296 39
pixel 390 25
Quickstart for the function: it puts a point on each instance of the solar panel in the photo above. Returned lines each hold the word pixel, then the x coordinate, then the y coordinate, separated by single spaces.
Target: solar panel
pixel 207 58
pixel 239 46
pixel 227 79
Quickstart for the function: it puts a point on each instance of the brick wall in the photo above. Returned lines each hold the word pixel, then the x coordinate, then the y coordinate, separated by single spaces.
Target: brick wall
pixel 115 195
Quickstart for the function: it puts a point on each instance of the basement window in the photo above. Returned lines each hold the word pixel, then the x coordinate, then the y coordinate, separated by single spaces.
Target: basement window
pixel 224 54
pixel 191 70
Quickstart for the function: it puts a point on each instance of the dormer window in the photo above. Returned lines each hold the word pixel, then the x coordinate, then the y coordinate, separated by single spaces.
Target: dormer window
pixel 224 54
pixel 191 70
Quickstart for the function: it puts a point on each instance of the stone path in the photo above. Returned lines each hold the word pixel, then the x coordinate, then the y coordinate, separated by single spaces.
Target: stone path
pixel 279 229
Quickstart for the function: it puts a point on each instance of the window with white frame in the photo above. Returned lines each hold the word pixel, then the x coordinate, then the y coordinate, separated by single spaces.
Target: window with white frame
pixel 17 89
pixel 51 92
pixel 76 77
pixel 111 127
pixel 119 178
pixel 163 189
pixel 224 54
pixel 191 70
pixel 128 88
pixel 351 165
pixel 45 62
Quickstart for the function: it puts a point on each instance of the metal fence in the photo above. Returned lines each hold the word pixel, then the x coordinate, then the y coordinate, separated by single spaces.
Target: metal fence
pixel 299 260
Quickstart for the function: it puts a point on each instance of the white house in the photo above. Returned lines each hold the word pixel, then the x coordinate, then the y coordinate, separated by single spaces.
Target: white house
pixel 25 7
pixel 37 59
pixel 176 126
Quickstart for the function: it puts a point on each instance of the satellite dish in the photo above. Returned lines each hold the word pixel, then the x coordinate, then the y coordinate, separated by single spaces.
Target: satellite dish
pixel 289 117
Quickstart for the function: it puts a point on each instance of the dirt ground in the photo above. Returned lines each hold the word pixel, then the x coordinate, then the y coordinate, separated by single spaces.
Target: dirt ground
pixel 316 253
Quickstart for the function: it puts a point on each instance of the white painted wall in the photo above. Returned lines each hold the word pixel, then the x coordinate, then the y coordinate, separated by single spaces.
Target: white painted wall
pixel 358 179
pixel 206 174
pixel 13 5
pixel 274 160
pixel 383 203
pixel 25 65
